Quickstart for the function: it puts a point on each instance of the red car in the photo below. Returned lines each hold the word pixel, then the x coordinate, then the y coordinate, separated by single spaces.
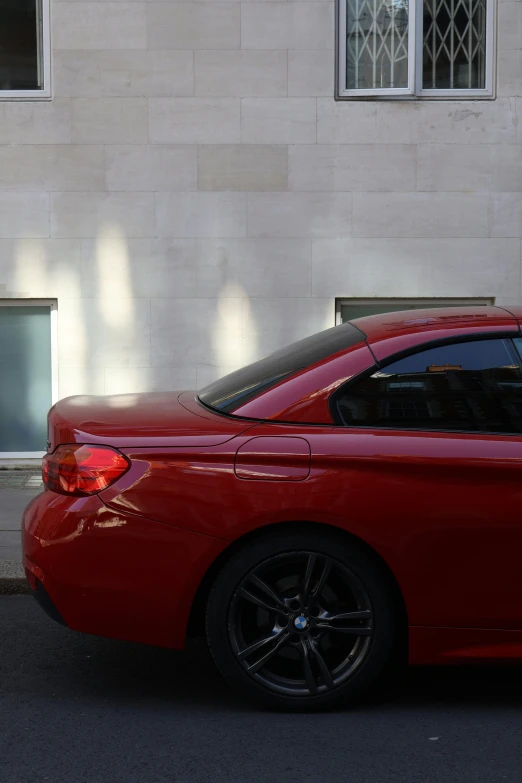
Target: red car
pixel 314 514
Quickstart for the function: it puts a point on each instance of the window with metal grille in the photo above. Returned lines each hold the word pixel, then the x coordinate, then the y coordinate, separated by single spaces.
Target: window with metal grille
pixel 25 59
pixel 422 48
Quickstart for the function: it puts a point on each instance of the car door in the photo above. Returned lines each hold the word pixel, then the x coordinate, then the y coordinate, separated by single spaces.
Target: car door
pixel 429 471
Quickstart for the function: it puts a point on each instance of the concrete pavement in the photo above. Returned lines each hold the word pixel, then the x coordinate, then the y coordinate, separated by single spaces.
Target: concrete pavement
pixel 17 489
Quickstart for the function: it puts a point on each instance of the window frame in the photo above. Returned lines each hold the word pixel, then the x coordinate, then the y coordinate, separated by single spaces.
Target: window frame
pixel 52 304
pixel 414 90
pixel 45 93
pixel 340 423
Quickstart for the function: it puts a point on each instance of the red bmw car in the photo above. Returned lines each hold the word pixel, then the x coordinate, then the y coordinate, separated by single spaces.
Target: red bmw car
pixel 313 515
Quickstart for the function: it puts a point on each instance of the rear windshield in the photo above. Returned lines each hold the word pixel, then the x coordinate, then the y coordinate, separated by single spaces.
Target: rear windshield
pixel 239 387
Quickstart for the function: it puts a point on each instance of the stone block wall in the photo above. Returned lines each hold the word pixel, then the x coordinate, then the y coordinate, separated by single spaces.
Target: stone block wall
pixel 194 197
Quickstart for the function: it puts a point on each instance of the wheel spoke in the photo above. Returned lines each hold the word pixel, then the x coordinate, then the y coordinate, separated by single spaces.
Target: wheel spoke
pixel 281 641
pixel 325 671
pixel 242 654
pixel 308 673
pixel 277 602
pixel 341 622
pixel 307 583
pixel 358 614
pixel 309 590
pixel 255 599
pixel 325 573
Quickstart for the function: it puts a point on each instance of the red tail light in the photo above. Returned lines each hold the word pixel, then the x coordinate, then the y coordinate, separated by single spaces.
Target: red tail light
pixel 82 470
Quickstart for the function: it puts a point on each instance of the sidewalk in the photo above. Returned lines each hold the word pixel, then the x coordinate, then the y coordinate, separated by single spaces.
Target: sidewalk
pixel 17 489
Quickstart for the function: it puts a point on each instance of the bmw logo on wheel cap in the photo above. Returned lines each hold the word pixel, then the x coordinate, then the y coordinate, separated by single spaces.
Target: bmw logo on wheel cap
pixel 300 622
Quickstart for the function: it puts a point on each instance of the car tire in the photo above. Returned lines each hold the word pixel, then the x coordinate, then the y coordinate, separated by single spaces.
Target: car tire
pixel 302 619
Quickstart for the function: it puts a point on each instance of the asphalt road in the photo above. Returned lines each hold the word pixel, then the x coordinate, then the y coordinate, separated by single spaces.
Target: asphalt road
pixel 79 709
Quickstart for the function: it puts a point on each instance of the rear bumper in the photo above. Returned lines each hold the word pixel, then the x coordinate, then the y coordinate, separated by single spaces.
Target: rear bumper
pixel 43 598
pixel 111 573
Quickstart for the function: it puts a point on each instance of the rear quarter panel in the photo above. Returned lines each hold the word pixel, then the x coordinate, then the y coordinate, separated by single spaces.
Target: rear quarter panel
pixel 436 508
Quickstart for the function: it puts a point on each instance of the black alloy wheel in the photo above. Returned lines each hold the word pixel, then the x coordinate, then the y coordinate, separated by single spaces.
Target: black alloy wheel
pixel 301 621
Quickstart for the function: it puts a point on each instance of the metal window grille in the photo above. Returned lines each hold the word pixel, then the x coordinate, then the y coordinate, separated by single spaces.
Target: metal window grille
pixel 454 44
pixel 377 43
pixel 429 48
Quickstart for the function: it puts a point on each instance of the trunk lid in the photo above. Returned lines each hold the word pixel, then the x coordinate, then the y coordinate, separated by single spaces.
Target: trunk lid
pixel 167 419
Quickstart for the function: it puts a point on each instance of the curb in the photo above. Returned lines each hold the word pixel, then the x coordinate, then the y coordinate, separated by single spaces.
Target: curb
pixel 15 586
pixel 12 578
pixel 21 467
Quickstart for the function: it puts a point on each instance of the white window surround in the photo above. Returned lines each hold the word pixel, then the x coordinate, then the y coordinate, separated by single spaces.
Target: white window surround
pixel 414 90
pixel 45 61
pixel 416 302
pixel 53 306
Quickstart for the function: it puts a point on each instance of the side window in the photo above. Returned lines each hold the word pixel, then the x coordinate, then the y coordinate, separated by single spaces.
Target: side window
pixel 475 386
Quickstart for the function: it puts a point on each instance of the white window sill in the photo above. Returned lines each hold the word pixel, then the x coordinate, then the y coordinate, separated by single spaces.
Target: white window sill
pixel 438 95
pixel 25 95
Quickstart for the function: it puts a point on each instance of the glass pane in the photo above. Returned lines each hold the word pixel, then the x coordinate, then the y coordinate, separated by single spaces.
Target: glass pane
pixel 243 385
pixel 25 380
pixel 474 386
pixel 20 45
pixel 454 45
pixel 376 44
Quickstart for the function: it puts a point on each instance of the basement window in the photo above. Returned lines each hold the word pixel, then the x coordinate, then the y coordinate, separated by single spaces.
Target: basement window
pixel 348 309
pixel 25 45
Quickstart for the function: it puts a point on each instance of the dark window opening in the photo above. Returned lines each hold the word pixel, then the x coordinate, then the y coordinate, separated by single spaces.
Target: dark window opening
pixel 454 45
pixel 475 386
pixel 20 45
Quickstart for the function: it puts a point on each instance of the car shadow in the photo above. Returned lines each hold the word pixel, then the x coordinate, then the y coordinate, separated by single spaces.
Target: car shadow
pixel 47 659
pixel 120 671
